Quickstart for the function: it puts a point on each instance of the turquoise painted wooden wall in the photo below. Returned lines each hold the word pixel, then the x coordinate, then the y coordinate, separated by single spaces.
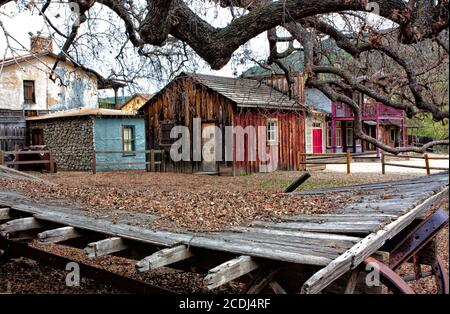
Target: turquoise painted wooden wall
pixel 108 137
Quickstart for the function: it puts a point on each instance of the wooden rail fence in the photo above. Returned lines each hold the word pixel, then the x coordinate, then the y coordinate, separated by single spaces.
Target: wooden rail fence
pixel 329 159
pixel 150 164
pixel 425 157
pixel 16 163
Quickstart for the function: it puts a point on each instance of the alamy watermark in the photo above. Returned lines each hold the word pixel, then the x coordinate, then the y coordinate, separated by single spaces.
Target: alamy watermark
pixel 231 143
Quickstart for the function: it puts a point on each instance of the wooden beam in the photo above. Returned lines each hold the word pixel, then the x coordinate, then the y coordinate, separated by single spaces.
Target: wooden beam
pixel 294 185
pixel 5 214
pixel 229 271
pixel 58 235
pixel 352 281
pixel 261 281
pixel 105 247
pixel 21 224
pixel 357 254
pixel 164 257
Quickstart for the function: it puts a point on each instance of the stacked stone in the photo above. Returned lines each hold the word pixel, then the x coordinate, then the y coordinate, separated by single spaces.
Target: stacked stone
pixel 71 142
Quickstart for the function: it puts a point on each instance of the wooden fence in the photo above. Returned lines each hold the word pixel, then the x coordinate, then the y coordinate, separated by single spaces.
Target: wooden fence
pixel 150 164
pixel 330 159
pixel 16 163
pixel 425 157
pixel 11 136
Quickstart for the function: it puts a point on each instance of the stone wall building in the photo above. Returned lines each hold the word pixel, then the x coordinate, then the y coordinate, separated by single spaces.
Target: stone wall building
pixel 73 138
pixel 29 88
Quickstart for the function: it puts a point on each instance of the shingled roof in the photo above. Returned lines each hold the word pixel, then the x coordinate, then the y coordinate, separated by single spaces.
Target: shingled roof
pixel 246 93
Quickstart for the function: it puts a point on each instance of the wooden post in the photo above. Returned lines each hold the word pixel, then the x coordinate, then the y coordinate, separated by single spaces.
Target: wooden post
pixel 348 161
pixel 16 155
pixel 163 161
pixel 147 166
pixel 152 160
pixel 52 163
pixel 291 188
pixel 94 164
pixel 427 164
pixel 383 163
pixel 2 158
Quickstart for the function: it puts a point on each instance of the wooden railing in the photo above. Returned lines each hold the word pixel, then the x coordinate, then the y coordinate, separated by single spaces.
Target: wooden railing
pixel 329 159
pixel 16 163
pixel 425 157
pixel 150 165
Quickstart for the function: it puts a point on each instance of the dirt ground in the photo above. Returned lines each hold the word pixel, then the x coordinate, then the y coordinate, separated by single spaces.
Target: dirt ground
pixel 192 202
pixel 214 198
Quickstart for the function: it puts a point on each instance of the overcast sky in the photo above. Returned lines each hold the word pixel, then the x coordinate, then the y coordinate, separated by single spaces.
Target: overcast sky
pixel 20 24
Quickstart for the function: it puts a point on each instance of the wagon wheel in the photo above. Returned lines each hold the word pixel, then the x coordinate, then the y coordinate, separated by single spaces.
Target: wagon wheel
pixel 399 284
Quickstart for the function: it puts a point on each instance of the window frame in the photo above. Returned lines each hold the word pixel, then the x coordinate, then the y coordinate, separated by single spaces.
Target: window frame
pixel 347 130
pixel 338 134
pixel 329 135
pixel 270 140
pixel 132 141
pixel 33 91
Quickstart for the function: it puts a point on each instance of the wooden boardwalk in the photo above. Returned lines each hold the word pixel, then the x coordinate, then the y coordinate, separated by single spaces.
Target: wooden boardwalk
pixel 332 243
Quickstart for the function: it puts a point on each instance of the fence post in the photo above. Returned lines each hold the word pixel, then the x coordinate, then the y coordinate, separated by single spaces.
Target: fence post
pixel 94 164
pixel 147 165
pixel 2 158
pixel 52 163
pixel 348 161
pixel 16 150
pixel 427 164
pixel 152 161
pixel 383 163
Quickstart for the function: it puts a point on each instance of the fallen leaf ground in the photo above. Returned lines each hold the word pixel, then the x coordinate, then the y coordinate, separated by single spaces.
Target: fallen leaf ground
pixel 180 201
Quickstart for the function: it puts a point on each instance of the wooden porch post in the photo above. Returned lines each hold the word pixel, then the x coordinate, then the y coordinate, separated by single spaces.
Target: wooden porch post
pixel 116 98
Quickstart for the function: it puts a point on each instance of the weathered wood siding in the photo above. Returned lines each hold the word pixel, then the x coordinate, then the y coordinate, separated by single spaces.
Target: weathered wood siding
pixel 181 102
pixel 291 138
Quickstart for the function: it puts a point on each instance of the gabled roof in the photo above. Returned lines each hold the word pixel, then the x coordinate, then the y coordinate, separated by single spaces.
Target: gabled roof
pixel 81 113
pixel 146 97
pixel 244 92
pixel 103 83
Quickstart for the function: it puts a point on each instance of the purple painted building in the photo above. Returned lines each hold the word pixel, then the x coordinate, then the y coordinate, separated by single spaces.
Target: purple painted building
pixel 379 121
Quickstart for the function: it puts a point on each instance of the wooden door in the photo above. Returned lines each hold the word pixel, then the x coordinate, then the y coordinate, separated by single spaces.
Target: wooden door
pixel 317 141
pixel 209 160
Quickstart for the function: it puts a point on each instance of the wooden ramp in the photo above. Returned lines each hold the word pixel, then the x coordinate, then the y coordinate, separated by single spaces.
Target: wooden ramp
pixel 331 244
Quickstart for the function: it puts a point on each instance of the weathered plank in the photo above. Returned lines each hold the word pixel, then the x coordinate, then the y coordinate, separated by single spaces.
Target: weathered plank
pixel 163 258
pixel 105 247
pixel 229 271
pixel 326 227
pixel 362 250
pixel 22 224
pixel 58 235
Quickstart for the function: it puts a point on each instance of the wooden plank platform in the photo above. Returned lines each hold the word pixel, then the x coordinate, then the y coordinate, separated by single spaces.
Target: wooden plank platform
pixel 338 242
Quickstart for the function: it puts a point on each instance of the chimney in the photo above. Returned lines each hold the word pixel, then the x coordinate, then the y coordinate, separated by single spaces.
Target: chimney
pixel 41 44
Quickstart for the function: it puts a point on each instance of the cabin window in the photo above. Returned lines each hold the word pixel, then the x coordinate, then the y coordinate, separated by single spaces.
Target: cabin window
pixel 272 131
pixel 166 128
pixel 338 134
pixel 349 136
pixel 349 133
pixel 329 136
pixel 128 140
pixel 29 92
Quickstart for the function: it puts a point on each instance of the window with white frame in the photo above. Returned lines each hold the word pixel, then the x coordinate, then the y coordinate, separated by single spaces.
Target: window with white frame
pixel 349 136
pixel 338 134
pixel 128 140
pixel 349 133
pixel 272 131
pixel 329 135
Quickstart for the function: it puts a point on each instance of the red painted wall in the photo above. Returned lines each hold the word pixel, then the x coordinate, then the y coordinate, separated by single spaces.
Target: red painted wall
pixel 291 138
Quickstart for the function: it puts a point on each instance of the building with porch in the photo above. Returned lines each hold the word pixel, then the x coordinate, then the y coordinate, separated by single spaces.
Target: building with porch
pixel 380 121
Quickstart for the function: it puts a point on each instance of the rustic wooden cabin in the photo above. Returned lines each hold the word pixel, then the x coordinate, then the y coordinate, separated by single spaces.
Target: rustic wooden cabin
pixel 227 102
